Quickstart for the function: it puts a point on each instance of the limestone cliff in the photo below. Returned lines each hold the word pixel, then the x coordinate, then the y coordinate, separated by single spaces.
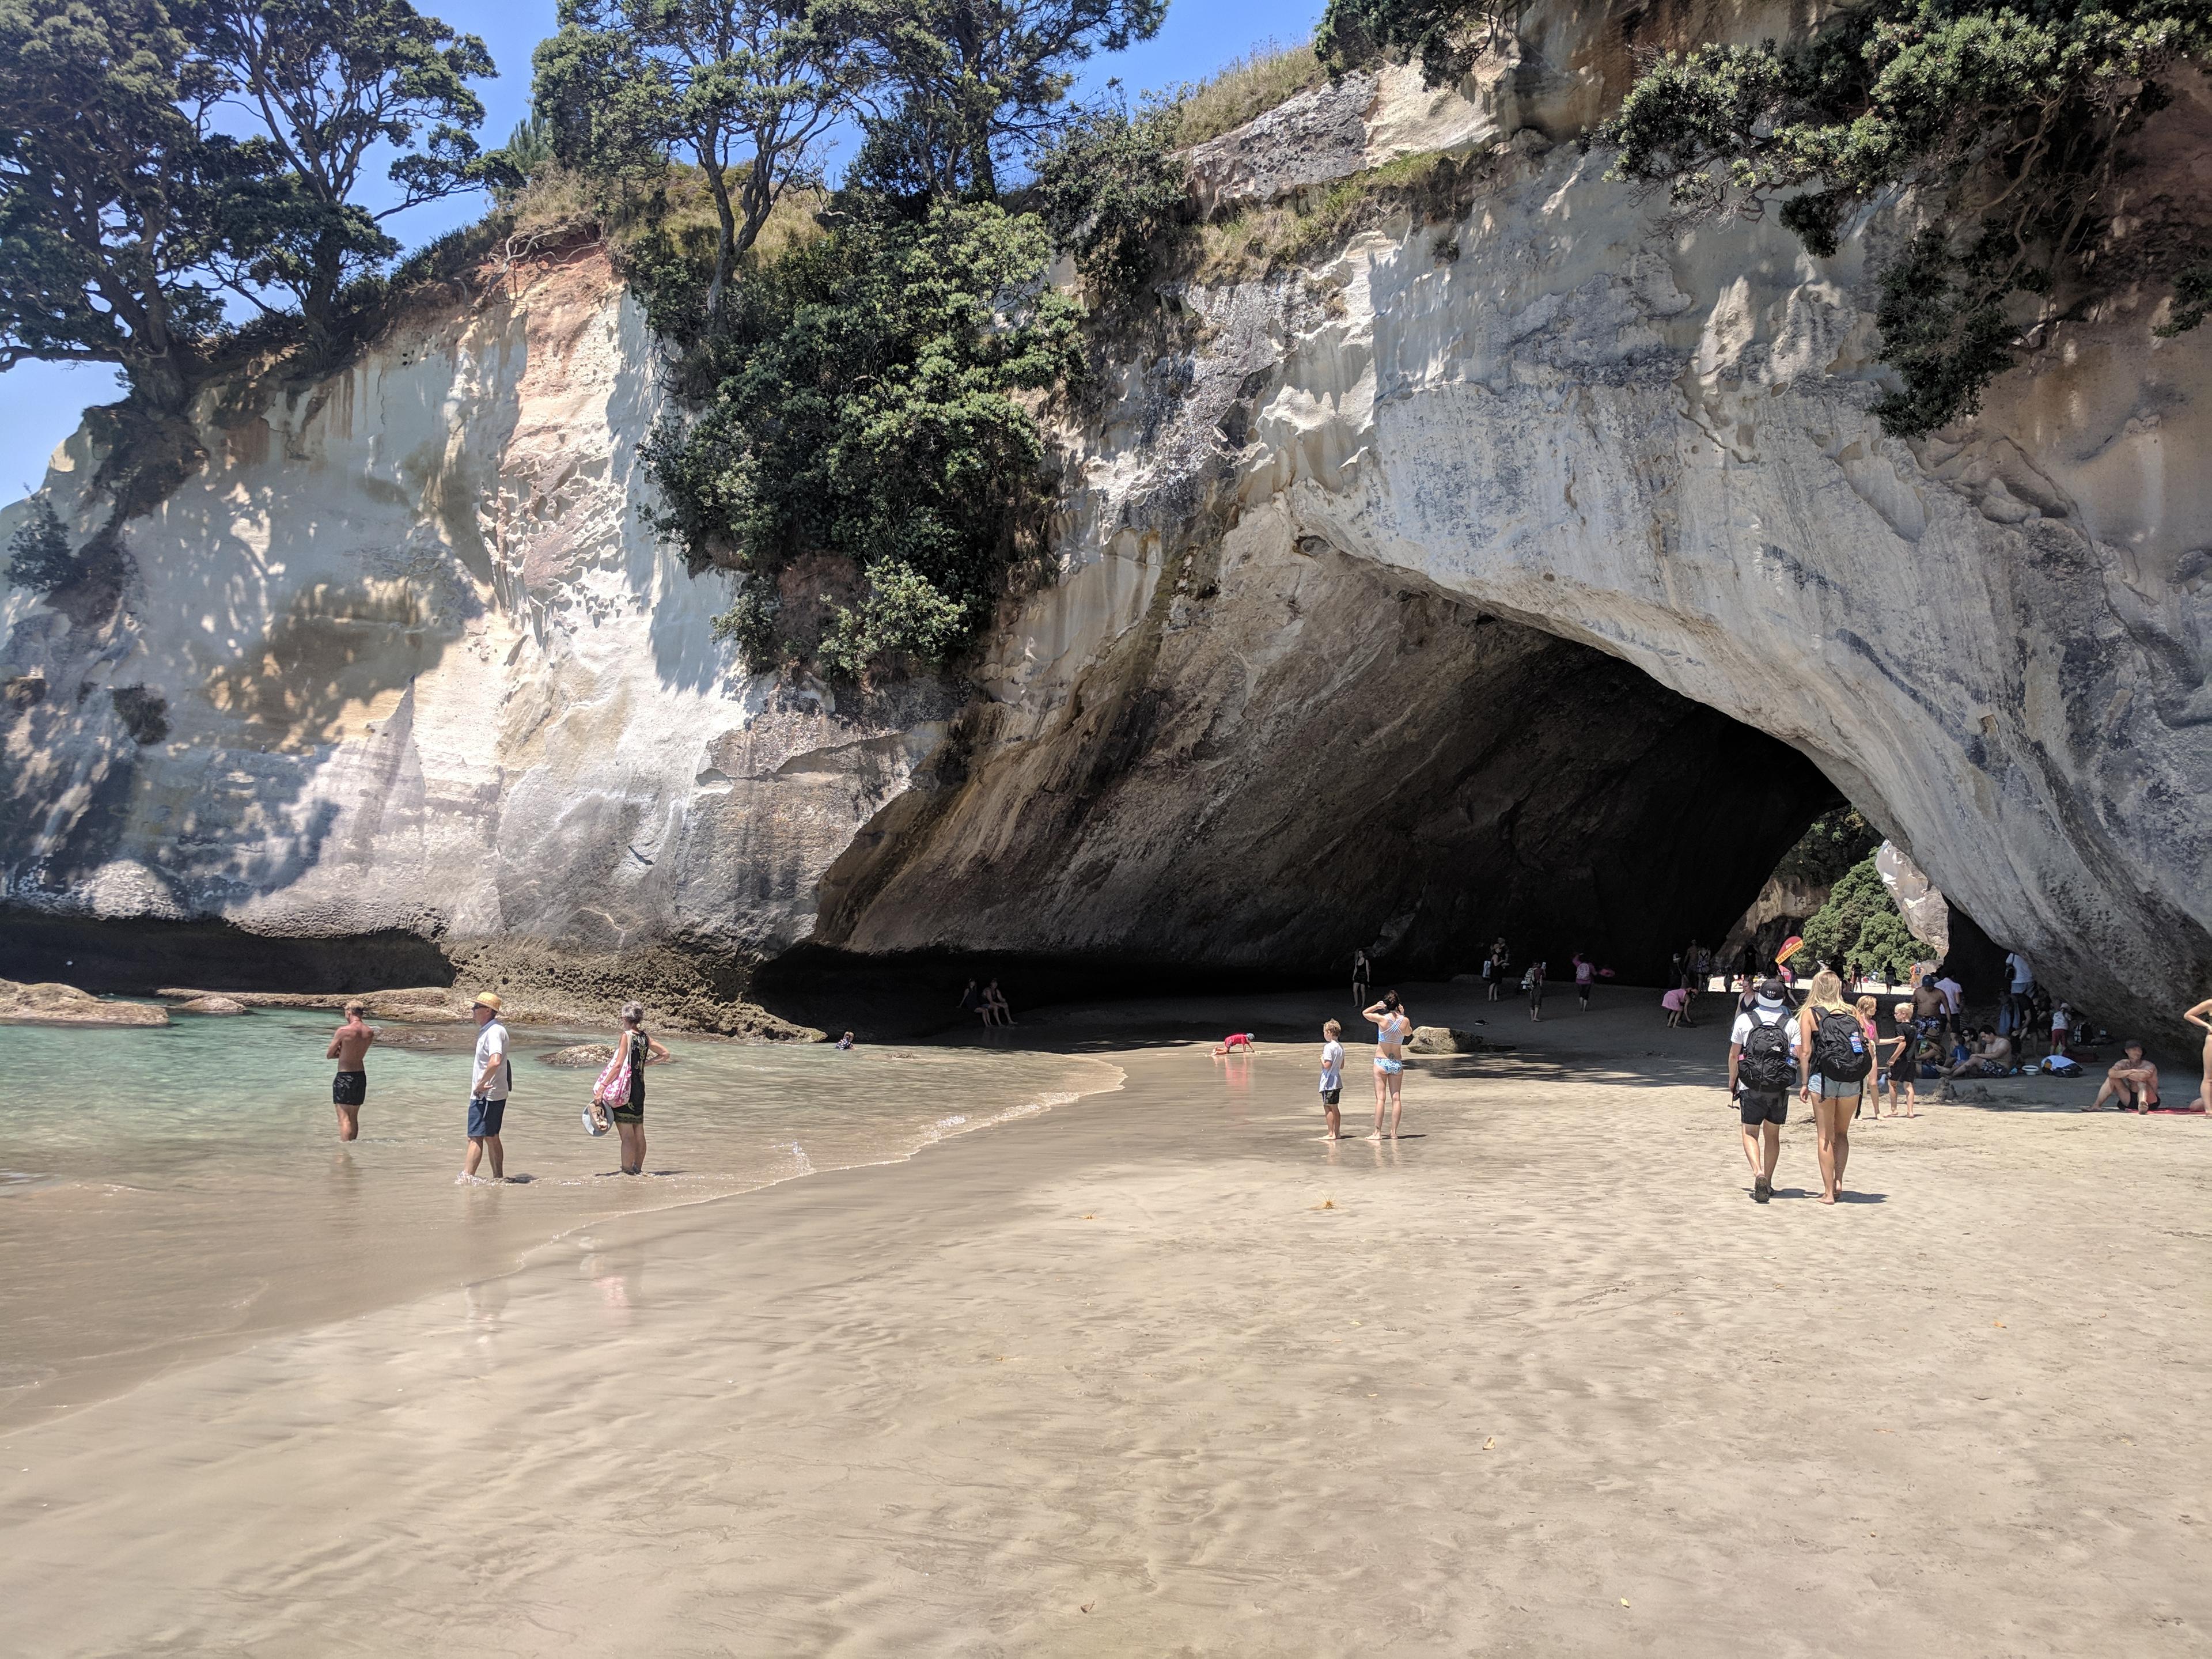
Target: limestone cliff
pixel 1538 568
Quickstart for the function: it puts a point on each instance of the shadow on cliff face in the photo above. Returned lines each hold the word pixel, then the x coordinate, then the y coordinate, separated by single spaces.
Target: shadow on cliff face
pixel 1412 778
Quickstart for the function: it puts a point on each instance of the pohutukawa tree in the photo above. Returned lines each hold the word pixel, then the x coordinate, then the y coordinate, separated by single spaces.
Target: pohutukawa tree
pixel 963 85
pixel 326 84
pixel 742 90
pixel 108 193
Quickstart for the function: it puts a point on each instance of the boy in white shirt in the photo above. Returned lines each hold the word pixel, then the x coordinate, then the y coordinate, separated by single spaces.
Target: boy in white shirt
pixel 1332 1078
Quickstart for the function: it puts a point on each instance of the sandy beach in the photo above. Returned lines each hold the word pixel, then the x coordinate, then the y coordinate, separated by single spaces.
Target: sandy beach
pixel 1156 1372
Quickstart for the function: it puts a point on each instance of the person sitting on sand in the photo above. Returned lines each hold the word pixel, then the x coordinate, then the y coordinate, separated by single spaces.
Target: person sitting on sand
pixel 1991 1056
pixel 1392 1026
pixel 350 1087
pixel 995 1005
pixel 1332 1078
pixel 845 1042
pixel 1234 1041
pixel 2132 1080
pixel 2201 1015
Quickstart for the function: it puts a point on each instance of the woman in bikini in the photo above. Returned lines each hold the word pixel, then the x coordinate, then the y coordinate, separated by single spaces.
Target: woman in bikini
pixel 1392 1027
pixel 2200 1015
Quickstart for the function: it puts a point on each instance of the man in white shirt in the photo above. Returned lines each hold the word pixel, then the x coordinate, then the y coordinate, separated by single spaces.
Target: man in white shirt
pixel 488 1093
pixel 1762 1066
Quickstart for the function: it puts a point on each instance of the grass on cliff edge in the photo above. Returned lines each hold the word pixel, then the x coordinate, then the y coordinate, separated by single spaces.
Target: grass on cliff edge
pixel 1270 74
pixel 1298 229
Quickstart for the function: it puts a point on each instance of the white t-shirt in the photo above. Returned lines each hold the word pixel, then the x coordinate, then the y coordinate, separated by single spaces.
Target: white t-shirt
pixel 1332 1064
pixel 2023 976
pixel 491 1044
pixel 1952 991
pixel 1764 1015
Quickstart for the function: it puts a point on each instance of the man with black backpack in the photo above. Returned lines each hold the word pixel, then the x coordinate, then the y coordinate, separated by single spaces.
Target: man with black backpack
pixel 1762 1064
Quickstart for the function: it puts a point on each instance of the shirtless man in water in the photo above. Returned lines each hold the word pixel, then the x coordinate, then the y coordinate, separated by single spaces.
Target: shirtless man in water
pixel 350 1048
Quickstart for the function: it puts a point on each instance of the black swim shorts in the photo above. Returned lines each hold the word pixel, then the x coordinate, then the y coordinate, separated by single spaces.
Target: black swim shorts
pixel 349 1088
pixel 1330 1097
pixel 633 1113
pixel 1759 1109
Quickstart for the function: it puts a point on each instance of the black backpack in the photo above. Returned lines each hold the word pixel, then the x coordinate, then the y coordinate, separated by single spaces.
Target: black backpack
pixel 1839 1048
pixel 1764 1067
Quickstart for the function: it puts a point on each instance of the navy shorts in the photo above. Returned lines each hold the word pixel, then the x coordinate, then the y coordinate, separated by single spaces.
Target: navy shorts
pixel 485 1116
pixel 1758 1109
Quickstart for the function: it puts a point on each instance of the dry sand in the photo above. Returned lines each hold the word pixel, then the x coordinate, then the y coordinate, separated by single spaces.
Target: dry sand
pixel 1157 1373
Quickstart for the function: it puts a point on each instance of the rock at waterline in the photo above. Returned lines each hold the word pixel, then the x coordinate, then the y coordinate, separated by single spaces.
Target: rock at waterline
pixel 211 1004
pixel 1442 1040
pixel 578 1055
pixel 64 1004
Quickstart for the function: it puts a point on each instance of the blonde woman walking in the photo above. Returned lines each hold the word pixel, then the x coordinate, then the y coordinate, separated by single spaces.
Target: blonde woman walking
pixel 1835 1054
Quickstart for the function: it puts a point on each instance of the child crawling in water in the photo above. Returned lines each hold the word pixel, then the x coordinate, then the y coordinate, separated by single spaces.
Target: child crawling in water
pixel 1234 1041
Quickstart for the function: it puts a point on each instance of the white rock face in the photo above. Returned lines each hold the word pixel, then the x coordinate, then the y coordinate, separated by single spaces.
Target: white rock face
pixel 424 668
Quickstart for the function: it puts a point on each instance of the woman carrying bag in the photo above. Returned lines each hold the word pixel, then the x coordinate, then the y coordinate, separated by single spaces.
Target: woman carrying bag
pixel 619 1095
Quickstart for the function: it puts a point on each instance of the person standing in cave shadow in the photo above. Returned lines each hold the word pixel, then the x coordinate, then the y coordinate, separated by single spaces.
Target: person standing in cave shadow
pixel 1496 968
pixel 1533 983
pixel 1392 1026
pixel 1585 977
pixel 1360 975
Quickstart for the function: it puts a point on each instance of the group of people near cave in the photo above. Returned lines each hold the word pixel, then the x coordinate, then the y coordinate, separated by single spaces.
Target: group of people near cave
pixel 1839 1054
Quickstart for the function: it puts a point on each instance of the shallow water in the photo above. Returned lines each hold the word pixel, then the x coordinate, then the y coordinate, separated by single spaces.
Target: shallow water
pixel 165 1193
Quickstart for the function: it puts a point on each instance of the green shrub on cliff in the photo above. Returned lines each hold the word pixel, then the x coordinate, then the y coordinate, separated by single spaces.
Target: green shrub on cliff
pixel 2013 119
pixel 38 556
pixel 1112 190
pixel 864 434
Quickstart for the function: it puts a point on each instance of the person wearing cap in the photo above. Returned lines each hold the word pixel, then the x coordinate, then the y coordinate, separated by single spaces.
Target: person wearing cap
pixel 488 1094
pixel 1761 1085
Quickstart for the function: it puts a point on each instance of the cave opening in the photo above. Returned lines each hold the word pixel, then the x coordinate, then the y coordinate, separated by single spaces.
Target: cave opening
pixel 1240 815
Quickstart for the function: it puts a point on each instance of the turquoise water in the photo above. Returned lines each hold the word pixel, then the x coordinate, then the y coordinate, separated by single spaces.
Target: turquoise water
pixel 165 1191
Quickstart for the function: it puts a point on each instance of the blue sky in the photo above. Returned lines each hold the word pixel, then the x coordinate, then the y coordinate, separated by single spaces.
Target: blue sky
pixel 39 403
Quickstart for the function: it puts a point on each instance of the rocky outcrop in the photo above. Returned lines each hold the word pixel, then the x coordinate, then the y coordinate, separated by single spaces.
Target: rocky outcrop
pixel 1540 568
pixel 49 1004
pixel 211 1005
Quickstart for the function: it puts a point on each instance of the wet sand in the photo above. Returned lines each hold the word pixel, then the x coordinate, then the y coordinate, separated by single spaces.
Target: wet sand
pixel 1156 1372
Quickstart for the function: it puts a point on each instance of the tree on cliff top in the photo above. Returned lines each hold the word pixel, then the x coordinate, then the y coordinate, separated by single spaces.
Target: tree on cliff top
pixel 327 83
pixel 743 89
pixel 2013 118
pixel 964 85
pixel 107 191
